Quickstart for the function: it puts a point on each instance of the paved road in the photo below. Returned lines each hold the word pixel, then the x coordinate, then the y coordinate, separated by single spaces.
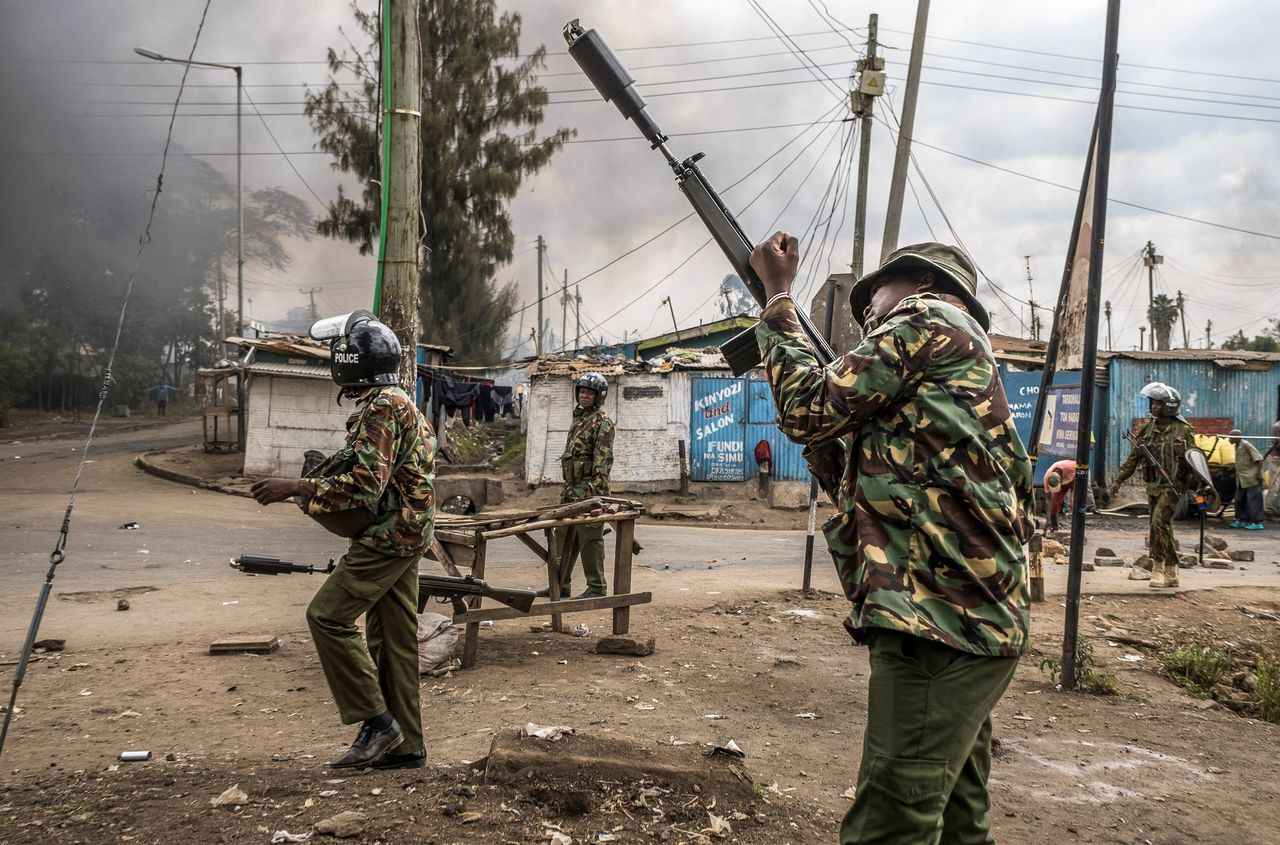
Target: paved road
pixel 188 535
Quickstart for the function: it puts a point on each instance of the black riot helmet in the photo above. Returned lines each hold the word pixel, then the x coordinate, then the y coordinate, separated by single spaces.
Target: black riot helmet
pixel 592 381
pixel 365 352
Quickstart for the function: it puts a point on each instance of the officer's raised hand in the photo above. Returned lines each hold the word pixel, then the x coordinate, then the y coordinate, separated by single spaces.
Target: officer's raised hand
pixel 270 490
pixel 775 262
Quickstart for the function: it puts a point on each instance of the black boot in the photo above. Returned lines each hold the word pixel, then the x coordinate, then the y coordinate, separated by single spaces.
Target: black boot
pixel 371 743
pixel 413 760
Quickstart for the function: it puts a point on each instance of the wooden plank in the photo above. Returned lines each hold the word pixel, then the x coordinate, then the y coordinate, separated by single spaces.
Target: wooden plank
pixel 622 573
pixel 472 641
pixel 534 545
pixel 251 644
pixel 554 608
pixel 562 570
pixel 459 537
pixel 438 552
pixel 556 523
pixel 462 556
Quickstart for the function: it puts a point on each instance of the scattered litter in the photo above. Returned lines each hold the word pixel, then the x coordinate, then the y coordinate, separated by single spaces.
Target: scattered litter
pixel 562 662
pixel 134 756
pixel 718 825
pixel 144 551
pixel 122 604
pixel 672 741
pixel 76 667
pixel 376 791
pixel 643 706
pixel 555 837
pixel 49 645
pixel 803 613
pixel 225 603
pixel 716 716
pixel 605 836
pixel 581 631
pixel 487 623
pixel 1022 718
pixel 808 716
pixel 281 837
pixel 327 793
pixel 130 526
pixel 1132 658
pixel 551 733
pixel 233 796
pixel 850 793
pixel 730 748
pixel 86 692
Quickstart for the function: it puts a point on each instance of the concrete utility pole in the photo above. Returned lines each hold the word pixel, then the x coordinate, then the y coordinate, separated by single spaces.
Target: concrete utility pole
pixel 542 248
pixel 577 317
pixel 1107 310
pixel 1142 334
pixel 870 86
pixel 1182 315
pixel 902 156
pixel 1151 259
pixel 1208 335
pixel 402 75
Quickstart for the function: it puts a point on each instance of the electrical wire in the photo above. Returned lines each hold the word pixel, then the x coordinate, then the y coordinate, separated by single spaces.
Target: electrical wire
pixel 287 159
pixel 58 554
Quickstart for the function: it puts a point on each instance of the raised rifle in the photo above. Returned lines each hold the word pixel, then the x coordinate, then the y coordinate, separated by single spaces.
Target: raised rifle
pixel 611 78
pixel 1149 458
pixel 446 588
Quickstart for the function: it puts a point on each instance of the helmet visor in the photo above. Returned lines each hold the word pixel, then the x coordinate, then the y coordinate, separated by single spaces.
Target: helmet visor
pixel 331 327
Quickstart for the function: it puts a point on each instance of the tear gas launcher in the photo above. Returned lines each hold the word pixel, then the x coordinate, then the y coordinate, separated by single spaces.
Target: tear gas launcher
pixel 445 588
pixel 611 78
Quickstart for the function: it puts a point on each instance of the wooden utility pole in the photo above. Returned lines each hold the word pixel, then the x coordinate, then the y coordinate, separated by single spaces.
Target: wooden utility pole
pixel 537 341
pixel 870 86
pixel 1151 259
pixel 1107 310
pixel 1208 335
pixel 1034 322
pixel 315 315
pixel 902 156
pixel 667 302
pixel 397 304
pixel 564 311
pixel 1142 334
pixel 1182 315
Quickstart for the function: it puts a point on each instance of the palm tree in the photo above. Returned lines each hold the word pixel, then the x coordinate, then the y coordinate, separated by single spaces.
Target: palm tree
pixel 1162 314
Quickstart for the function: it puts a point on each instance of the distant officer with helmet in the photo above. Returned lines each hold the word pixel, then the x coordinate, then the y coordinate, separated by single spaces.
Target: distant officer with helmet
pixel 1168 436
pixel 387 479
pixel 586 464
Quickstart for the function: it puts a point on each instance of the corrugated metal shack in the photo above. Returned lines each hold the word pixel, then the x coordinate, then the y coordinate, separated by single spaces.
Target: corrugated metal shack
pixel 1221 389
pixel 687 395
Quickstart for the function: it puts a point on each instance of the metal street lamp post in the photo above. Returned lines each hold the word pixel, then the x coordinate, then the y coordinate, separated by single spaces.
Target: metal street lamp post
pixel 239 71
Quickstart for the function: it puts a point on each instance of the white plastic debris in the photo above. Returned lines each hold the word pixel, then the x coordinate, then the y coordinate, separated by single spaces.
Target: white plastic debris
pixel 233 796
pixel 283 836
pixel 803 612
pixel 551 733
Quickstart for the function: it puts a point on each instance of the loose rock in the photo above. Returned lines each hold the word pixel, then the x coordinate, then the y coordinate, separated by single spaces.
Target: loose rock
pixel 233 796
pixel 629 646
pixel 1139 574
pixel 1188 561
pixel 122 604
pixel 1109 561
pixel 1143 562
pixel 1215 541
pixel 344 825
pixel 1103 551
pixel 1244 555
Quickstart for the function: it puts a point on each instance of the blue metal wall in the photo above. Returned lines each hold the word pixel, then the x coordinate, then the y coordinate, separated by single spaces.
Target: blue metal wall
pixel 1247 398
pixel 727 418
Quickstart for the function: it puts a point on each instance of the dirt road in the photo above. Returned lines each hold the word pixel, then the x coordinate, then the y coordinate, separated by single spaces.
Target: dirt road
pixel 1152 764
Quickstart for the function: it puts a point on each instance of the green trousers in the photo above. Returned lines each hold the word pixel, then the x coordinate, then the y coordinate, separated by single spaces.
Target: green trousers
pixel 366 682
pixel 589 543
pixel 1161 544
pixel 926 753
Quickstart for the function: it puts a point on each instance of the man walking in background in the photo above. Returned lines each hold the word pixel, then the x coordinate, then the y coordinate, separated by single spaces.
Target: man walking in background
pixel 1248 483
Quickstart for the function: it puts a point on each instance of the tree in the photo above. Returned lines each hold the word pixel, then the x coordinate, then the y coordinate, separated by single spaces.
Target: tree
pixel 735 299
pixel 1162 314
pixel 480 113
pixel 1268 341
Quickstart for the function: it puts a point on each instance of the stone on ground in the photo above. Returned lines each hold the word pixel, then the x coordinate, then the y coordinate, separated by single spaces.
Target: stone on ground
pixel 346 824
pixel 624 645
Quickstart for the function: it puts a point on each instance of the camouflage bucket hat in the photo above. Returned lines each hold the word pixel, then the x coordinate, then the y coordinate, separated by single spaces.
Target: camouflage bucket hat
pixel 953 271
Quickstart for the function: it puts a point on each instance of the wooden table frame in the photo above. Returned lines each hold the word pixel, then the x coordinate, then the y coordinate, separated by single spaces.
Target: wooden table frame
pixel 466 545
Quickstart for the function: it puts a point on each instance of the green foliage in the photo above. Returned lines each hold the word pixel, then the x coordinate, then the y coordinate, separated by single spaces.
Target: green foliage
pixel 1266 697
pixel 1162 313
pixel 1088 678
pixel 1260 343
pixel 470 444
pixel 481 109
pixel 1196 668
pixel 512 449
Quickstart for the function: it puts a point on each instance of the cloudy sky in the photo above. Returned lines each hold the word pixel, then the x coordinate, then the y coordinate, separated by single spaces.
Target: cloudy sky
pixel 1008 84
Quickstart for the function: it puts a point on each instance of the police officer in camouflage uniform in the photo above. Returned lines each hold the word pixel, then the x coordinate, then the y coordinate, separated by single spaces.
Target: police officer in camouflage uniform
pixel 1168 436
pixel 391 482
pixel 911 435
pixel 585 464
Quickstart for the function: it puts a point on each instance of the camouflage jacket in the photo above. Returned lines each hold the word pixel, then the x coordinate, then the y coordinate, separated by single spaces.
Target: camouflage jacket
pixel 1169 445
pixel 588 455
pixel 934 508
pixel 394 475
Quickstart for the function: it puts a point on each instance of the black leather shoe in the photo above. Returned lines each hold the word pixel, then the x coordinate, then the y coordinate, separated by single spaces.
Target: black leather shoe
pixel 370 744
pixel 589 593
pixel 415 760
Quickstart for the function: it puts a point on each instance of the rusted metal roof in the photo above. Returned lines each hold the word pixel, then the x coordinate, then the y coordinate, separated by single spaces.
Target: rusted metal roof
pixel 1226 358
pixel 708 358
pixel 280 368
pixel 288 345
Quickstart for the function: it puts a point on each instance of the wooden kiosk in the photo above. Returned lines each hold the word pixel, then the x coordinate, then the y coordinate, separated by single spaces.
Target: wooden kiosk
pixel 461 541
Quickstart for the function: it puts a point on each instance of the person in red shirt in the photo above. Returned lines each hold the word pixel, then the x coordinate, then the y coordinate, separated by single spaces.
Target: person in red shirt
pixel 1059 481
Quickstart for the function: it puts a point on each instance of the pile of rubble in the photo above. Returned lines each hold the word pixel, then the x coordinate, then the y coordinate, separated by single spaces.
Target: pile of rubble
pixel 1216 556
